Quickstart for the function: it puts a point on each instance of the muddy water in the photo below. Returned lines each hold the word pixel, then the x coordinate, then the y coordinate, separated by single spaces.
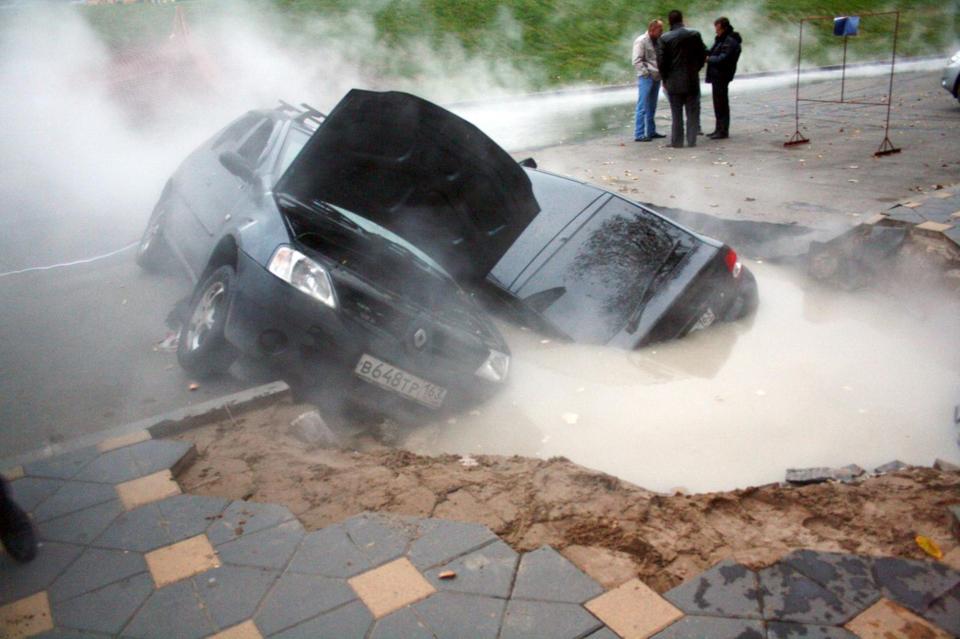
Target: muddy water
pixel 816 378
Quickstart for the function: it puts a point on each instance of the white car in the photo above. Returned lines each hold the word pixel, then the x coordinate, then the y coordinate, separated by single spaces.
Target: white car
pixel 951 76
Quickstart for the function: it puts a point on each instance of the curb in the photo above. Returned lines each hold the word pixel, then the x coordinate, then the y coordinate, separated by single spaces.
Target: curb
pixel 166 424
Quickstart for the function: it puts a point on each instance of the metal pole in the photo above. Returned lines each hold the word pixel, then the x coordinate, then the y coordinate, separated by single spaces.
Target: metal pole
pixel 797 138
pixel 886 147
pixel 843 73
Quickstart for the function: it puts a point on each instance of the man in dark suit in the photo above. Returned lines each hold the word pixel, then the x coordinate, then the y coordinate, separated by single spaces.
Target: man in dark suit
pixel 680 56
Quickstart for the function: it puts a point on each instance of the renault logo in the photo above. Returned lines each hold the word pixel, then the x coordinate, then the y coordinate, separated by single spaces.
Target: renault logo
pixel 419 338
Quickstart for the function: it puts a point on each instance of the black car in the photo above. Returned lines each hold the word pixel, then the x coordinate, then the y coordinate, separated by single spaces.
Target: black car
pixel 341 248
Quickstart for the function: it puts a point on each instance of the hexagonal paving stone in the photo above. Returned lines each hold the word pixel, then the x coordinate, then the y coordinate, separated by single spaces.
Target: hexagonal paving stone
pixel 296 598
pixel 848 576
pixel 453 615
pixel 94 569
pixel 270 548
pixel 140 530
pixel 20 580
pixel 66 633
pixel 726 590
pixel 945 612
pixel 159 454
pixel 111 468
pixel 81 527
pixel 402 623
pixel 105 610
pixel 173 611
pixel 546 575
pixel 29 492
pixel 347 622
pixel 913 583
pixel 488 571
pixel 781 630
pixel 246 517
pixel 603 633
pixel 64 466
pixel 694 627
pixel 329 552
pixel 788 595
pixel 186 516
pixel 381 538
pixel 440 541
pixel 232 593
pixel 74 496
pixel 546 620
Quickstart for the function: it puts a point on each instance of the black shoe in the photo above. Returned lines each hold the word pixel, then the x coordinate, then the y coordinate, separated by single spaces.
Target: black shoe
pixel 17 534
pixel 718 136
pixel 641 139
pixel 657 135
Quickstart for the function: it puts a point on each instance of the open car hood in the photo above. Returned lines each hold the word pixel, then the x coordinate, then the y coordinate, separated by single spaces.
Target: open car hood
pixel 420 171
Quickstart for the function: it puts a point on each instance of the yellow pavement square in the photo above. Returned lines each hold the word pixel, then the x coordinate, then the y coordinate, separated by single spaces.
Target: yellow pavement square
pixel 391 587
pixel 246 630
pixel 13 474
pixel 123 440
pixel 26 617
pixel 144 490
pixel 935 227
pixel 634 610
pixel 181 560
pixel 887 620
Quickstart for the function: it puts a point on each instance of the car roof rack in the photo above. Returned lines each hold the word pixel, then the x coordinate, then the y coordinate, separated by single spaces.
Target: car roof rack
pixel 304 112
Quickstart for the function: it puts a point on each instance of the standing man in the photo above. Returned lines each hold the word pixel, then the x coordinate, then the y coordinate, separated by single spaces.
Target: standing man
pixel 721 67
pixel 648 81
pixel 680 56
pixel 17 534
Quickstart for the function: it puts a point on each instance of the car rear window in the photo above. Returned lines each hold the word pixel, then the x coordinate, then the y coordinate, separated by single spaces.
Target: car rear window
pixel 593 284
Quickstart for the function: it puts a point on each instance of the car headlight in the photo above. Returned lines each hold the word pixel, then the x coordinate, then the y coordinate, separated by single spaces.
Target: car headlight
pixel 496 367
pixel 295 268
pixel 956 58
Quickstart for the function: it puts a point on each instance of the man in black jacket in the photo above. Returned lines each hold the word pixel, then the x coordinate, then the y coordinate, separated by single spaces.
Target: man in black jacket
pixel 721 67
pixel 680 56
pixel 17 533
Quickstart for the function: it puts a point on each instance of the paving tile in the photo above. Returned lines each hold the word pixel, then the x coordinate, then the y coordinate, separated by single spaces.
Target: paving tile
pixel 296 598
pixel 12 474
pixel 381 538
pixel 112 468
pixel 781 630
pixel 788 595
pixel 20 580
pixel 81 527
pixel 120 441
pixel 94 569
pixel 848 576
pixel 726 590
pixel 488 571
pixel 181 560
pixel 348 622
pixel 189 515
pixel 232 593
pixel 546 620
pixel 105 610
pixel 945 612
pixel 913 583
pixel 603 633
pixel 26 617
pixel 160 454
pixel 29 492
pixel 546 575
pixel 952 559
pixel 453 615
pixel 64 466
pixel 74 496
pixel 888 620
pixel 402 623
pixel 440 541
pixel 245 630
pixel 140 530
pixel 330 552
pixel 66 633
pixel 144 490
pixel 391 587
pixel 173 611
pixel 246 517
pixel 694 627
pixel 633 610
pixel 270 548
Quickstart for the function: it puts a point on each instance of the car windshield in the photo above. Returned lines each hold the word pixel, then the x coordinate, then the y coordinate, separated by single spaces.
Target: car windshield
pixel 600 278
pixel 296 140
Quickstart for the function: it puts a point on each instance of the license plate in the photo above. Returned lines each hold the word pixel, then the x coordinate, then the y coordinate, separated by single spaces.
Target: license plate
pixel 378 372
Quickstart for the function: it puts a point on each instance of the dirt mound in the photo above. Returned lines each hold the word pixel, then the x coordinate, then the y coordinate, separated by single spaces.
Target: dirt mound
pixel 612 529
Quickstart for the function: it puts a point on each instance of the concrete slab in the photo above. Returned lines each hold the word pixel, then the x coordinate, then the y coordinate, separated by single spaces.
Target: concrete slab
pixel 62 466
pixel 694 627
pixel 913 583
pixel 546 575
pixel 246 517
pixel 329 552
pixel 403 623
pixel 351 621
pixel 112 468
pixel 454 615
pixel 231 594
pixel 788 595
pixel 296 598
pixel 185 516
pixel 547 620
pixel 488 571
pixel 440 541
pixel 380 538
pixel 72 497
pixel 94 569
pixel 270 548
pixel 726 590
pixel 160 454
pixel 105 610
pixel 174 611
pixel 848 576
pixel 140 530
pixel 81 527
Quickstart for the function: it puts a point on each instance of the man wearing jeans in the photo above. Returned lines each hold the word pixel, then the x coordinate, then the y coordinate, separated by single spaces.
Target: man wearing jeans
pixel 680 56
pixel 648 81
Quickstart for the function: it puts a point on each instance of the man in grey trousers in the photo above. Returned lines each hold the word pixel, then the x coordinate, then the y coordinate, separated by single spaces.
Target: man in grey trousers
pixel 680 56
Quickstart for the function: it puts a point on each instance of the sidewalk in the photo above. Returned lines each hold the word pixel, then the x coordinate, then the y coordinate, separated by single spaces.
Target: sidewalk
pixel 125 554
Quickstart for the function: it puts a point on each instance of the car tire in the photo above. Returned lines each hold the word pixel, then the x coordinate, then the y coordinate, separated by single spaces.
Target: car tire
pixel 203 349
pixel 747 299
pixel 153 253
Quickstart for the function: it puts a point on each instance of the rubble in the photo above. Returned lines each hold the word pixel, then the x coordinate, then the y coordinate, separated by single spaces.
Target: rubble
pixel 311 429
pixel 890 467
pixel 803 476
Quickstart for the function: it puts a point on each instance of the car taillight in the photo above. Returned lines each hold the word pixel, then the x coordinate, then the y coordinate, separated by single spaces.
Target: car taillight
pixel 733 262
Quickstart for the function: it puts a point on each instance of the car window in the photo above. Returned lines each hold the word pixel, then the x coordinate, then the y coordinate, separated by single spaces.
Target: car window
pixel 235 132
pixel 253 146
pixel 590 288
pixel 296 139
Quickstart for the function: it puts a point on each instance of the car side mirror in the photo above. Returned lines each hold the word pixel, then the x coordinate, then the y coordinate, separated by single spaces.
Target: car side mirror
pixel 530 163
pixel 236 164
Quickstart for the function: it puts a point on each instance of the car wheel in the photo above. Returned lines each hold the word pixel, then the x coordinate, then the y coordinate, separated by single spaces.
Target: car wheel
pixel 203 348
pixel 152 252
pixel 747 299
